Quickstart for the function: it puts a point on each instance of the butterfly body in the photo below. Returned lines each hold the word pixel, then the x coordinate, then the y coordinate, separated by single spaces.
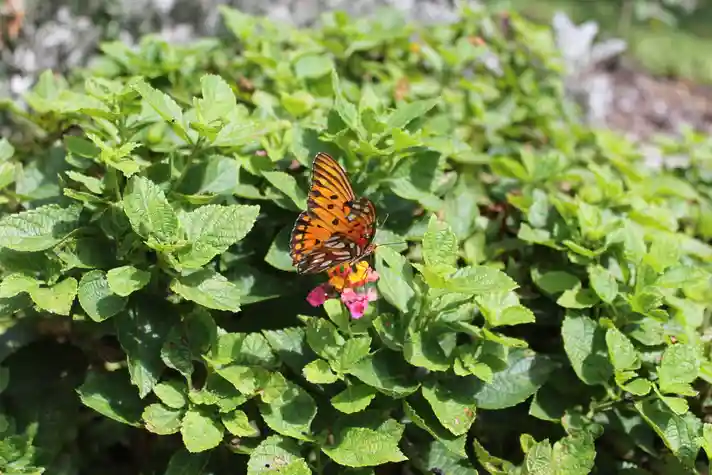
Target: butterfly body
pixel 337 227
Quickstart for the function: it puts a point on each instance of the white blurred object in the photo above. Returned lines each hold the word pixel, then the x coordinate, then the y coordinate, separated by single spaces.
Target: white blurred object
pixel 591 88
pixel 577 47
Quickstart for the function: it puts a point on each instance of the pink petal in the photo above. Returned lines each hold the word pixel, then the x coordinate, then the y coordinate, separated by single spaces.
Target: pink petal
pixel 372 275
pixel 317 296
pixel 357 309
pixel 357 303
pixel 348 295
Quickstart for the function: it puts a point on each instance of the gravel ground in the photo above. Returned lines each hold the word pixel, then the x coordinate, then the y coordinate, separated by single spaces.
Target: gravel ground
pixel 62 34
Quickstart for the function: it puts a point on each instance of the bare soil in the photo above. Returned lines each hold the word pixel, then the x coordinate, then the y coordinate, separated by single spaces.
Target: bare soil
pixel 644 106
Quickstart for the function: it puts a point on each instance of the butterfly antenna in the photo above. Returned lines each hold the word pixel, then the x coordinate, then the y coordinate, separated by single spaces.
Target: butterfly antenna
pixel 392 243
pixel 384 220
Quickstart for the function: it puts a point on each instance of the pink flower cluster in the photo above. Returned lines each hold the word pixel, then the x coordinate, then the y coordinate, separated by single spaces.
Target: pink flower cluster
pixel 350 286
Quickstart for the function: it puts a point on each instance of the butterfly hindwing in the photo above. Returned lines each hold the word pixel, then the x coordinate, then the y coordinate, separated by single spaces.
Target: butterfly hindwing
pixel 337 227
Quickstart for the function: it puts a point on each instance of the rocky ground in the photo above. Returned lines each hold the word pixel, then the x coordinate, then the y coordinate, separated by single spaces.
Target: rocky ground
pixel 36 34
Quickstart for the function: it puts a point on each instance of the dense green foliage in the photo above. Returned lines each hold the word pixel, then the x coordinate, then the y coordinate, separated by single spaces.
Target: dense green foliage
pixel 547 315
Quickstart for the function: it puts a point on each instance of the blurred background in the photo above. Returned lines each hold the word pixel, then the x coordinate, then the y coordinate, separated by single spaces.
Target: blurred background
pixel 640 66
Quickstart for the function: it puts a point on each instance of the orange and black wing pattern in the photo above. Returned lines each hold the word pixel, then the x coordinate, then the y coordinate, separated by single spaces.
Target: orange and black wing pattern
pixel 337 227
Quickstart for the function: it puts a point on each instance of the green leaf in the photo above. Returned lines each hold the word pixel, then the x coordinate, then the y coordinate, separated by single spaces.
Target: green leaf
pixel 461 206
pixel 386 372
pixel 353 351
pixel 96 298
pixel 38 229
pixel 538 459
pixel 477 280
pixel 299 103
pixel 707 439
pixel 81 147
pixel 163 104
pixel 141 334
pixel 218 392
pixel 94 185
pixel 237 423
pixel 355 398
pixel 638 387
pixel 6 150
pixel 554 282
pixel 437 456
pixel 603 283
pixel 503 308
pixel 218 99
pixel 119 157
pixel 324 339
pixel 242 348
pixel 290 345
pixel 212 229
pixel 184 463
pixel 162 420
pixel 423 350
pixel 8 173
pixel 525 373
pixel 216 174
pixel 111 395
pixel 85 253
pixel 664 252
pixel 396 277
pixel 621 351
pixel 366 447
pixel 200 432
pixel 680 366
pixel 277 455
pixel 292 412
pixel 319 372
pixel 125 280
pixel 278 253
pixel 453 401
pixel 439 244
pixel 577 298
pixel 176 354
pixel 648 332
pixel 209 289
pixel 337 313
pixel 679 433
pixel 287 184
pixel 346 111
pixel 422 416
pixel 633 241
pixel 678 405
pixel 245 379
pixel 149 212
pixel 573 455
pixel 56 299
pixel 172 393
pixel 16 283
pixel 584 342
pixel 407 112
pixel 313 66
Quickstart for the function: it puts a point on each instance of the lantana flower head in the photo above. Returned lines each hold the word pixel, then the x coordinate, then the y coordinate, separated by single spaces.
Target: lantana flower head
pixel 350 285
pixel 344 277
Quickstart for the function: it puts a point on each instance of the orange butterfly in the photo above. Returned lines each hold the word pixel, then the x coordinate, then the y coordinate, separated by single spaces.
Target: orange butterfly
pixel 337 228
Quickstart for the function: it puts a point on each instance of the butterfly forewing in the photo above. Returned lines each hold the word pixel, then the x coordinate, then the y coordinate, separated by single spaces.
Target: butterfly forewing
pixel 337 227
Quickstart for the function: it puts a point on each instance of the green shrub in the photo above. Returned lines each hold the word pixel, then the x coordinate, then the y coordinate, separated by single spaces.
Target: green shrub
pixel 547 315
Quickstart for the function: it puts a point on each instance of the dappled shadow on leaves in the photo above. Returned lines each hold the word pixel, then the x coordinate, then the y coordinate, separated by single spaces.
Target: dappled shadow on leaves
pixel 298 410
pixel 596 367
